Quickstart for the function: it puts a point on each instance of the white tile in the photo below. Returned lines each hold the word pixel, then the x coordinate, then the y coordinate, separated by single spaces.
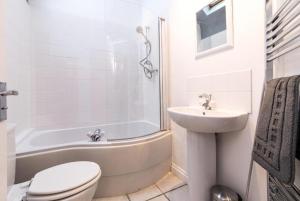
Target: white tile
pixel 229 90
pixel 169 182
pixel 160 198
pixel 180 194
pixel 200 84
pixel 145 194
pixel 235 81
pixel 118 198
pixel 238 101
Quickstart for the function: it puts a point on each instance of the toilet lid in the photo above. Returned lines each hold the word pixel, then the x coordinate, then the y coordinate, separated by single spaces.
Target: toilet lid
pixel 63 177
pixel 65 194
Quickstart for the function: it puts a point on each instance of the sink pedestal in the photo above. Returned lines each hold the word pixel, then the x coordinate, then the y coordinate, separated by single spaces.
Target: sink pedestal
pixel 201 161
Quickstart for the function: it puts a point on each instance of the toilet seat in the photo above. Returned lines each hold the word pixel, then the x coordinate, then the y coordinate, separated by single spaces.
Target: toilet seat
pixel 63 195
pixel 63 181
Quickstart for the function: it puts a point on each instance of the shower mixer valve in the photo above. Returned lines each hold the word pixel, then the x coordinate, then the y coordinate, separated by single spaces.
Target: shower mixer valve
pixel 96 135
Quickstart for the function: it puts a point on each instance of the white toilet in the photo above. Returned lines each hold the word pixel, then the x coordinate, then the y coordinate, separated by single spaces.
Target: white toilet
pixel 75 181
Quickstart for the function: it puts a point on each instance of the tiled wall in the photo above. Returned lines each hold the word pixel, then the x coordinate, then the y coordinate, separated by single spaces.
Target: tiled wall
pixel 229 90
pixel 85 63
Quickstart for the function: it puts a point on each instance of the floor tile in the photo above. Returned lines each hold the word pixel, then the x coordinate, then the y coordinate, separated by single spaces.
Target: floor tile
pixel 160 198
pixel 179 194
pixel 169 182
pixel 145 194
pixel 118 198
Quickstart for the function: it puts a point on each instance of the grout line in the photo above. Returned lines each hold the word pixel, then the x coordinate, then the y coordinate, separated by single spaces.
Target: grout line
pixel 176 188
pixel 154 197
pixel 166 197
pixel 128 197
pixel 161 192
pixel 159 188
pixel 165 194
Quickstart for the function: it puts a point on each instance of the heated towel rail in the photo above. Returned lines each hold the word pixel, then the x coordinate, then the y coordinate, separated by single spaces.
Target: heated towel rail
pixel 282 32
pixel 282 37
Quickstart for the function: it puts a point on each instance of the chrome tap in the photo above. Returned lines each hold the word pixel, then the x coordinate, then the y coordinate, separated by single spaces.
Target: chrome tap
pixel 96 135
pixel 207 97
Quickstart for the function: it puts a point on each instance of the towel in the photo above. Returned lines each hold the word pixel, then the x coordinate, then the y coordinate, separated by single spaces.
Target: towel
pixel 277 128
pixel 278 191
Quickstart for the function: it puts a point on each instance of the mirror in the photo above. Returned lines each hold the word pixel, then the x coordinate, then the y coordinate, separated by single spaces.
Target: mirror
pixel 214 27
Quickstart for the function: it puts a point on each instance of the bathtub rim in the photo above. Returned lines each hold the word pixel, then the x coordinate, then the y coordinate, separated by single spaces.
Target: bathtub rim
pixel 24 134
pixel 103 144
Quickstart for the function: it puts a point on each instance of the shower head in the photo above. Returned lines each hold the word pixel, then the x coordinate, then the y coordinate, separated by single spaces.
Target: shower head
pixel 140 30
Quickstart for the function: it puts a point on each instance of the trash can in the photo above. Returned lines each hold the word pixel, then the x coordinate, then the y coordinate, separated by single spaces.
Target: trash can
pixel 223 193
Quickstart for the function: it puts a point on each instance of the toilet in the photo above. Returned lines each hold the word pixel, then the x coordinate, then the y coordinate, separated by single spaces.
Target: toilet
pixel 74 181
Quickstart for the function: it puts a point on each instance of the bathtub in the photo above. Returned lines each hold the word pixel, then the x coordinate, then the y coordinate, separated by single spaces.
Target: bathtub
pixel 127 165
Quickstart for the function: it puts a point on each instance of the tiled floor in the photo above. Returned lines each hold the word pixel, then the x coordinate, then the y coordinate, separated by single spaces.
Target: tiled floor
pixel 169 188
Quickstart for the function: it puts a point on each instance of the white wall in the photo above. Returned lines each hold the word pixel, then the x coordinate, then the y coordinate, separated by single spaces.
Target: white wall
pixel 234 149
pixel 15 69
pixel 18 61
pixel 3 133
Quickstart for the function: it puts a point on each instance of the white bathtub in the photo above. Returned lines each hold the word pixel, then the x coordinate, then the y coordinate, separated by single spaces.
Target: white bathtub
pixel 52 139
pixel 127 165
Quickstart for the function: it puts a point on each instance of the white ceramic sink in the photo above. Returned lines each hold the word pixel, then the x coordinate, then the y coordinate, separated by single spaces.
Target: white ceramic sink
pixel 208 121
pixel 201 127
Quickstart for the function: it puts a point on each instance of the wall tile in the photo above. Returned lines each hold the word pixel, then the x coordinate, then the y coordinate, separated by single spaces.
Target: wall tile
pixel 79 63
pixel 229 90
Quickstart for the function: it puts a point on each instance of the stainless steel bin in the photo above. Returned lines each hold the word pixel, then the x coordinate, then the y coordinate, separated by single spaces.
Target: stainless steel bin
pixel 223 193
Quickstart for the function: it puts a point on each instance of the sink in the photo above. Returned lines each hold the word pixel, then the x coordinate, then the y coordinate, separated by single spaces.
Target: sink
pixel 202 126
pixel 208 121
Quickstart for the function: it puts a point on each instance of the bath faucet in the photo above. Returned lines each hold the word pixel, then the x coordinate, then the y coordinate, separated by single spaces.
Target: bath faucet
pixel 207 103
pixel 96 135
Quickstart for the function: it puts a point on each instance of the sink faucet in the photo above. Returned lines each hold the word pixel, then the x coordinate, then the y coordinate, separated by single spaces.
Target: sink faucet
pixel 96 135
pixel 207 98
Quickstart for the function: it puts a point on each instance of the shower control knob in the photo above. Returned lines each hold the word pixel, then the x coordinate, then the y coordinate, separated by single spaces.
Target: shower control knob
pixel 3 100
pixel 9 93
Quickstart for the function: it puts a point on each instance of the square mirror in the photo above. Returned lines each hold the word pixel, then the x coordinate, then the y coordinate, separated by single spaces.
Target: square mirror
pixel 214 27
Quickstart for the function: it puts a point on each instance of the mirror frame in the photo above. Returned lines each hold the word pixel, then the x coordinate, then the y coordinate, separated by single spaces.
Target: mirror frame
pixel 229 35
